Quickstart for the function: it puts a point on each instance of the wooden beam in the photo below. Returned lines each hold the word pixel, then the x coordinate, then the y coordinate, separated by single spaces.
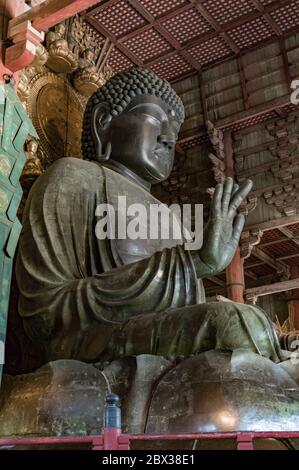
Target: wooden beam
pixel 245 93
pixel 113 39
pixel 260 7
pixel 288 257
pixel 250 274
pixel 216 26
pixel 218 298
pixel 285 231
pixel 235 271
pixel 8 10
pixel 253 112
pixel 51 12
pixel 269 260
pixel 283 286
pixel 275 223
pixel 272 242
pixel 203 99
pixel 156 24
pixel 285 60
pixel 237 118
pixel 217 281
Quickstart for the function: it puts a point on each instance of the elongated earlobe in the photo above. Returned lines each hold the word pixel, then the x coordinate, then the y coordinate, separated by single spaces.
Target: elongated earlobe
pixel 100 121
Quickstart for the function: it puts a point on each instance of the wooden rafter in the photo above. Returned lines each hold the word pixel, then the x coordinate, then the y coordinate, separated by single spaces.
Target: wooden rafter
pixel 276 223
pixel 217 281
pixel 290 236
pixel 245 93
pixel 216 26
pixel 285 61
pixel 272 288
pixel 237 118
pixel 269 260
pixel 260 7
pixel 182 49
pixel 160 29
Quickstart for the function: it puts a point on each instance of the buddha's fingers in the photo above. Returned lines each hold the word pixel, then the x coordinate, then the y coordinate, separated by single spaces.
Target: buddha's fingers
pixel 239 197
pixel 227 194
pixel 216 201
pixel 237 229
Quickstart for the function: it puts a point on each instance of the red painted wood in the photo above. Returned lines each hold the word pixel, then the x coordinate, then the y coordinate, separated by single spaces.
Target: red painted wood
pixel 19 56
pixel 51 12
pixel 8 9
pixel 235 271
pixel 110 437
pixel 244 440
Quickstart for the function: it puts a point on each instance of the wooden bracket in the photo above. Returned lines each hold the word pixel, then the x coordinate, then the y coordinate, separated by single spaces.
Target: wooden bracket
pixel 25 40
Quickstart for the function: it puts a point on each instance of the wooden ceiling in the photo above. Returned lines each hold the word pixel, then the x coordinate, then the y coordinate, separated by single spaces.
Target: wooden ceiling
pixel 176 38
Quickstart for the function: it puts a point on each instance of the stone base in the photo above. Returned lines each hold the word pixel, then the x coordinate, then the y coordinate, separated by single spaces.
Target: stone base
pixel 214 391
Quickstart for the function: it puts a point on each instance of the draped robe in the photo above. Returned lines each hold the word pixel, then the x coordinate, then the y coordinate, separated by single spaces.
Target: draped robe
pixel 87 298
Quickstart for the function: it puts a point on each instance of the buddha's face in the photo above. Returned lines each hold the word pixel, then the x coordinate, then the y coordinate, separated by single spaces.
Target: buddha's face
pixel 143 138
pixel 88 55
pixel 61 29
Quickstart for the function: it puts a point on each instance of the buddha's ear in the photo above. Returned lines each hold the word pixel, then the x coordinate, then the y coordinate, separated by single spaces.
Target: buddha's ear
pixel 100 120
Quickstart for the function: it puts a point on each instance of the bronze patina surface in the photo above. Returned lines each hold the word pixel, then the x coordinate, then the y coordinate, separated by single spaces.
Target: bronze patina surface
pixel 101 301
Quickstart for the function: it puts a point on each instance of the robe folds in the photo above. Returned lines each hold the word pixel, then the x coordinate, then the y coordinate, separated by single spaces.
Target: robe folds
pixel 81 297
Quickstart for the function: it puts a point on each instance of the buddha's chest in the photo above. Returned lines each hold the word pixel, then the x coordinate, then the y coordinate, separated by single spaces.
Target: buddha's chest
pixel 140 224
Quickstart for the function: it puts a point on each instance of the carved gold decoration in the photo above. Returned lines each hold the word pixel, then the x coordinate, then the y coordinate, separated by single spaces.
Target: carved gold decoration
pixel 93 69
pixel 33 166
pixel 51 101
pixel 61 59
pixel 41 57
pixel 56 112
pixel 87 80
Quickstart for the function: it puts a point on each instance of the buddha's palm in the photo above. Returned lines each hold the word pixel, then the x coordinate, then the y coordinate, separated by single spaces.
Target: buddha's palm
pixel 223 230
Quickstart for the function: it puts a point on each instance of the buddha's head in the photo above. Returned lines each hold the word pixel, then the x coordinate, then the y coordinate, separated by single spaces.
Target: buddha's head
pixel 134 120
pixel 60 29
pixel 88 54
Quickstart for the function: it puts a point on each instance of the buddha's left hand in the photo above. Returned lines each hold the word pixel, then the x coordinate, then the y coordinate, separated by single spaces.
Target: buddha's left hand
pixel 223 230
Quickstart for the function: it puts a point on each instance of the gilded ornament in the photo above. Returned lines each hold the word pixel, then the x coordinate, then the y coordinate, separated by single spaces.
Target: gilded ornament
pixel 57 113
pixel 87 80
pixel 61 58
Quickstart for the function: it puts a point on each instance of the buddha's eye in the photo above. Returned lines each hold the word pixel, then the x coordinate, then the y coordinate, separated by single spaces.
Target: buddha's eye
pixel 152 119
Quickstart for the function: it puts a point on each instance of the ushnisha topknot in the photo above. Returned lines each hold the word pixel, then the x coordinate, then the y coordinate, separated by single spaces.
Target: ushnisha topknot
pixel 119 91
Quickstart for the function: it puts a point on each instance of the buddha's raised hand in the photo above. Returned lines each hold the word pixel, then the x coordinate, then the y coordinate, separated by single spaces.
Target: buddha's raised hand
pixel 222 233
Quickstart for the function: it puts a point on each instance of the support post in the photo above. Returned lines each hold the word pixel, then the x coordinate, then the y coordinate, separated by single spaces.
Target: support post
pixel 235 271
pixel 293 298
pixel 245 441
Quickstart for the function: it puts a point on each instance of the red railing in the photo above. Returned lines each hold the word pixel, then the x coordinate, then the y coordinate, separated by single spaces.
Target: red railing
pixel 113 439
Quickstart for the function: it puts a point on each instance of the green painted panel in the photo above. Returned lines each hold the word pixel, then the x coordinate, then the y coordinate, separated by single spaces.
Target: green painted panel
pixel 14 129
pixel 17 169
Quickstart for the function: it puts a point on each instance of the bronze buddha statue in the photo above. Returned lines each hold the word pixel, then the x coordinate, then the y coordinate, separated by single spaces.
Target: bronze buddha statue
pixel 89 299
pixel 108 301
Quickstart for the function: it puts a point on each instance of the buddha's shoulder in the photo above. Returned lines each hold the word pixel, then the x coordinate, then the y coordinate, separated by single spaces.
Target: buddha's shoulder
pixel 73 165
pixel 75 169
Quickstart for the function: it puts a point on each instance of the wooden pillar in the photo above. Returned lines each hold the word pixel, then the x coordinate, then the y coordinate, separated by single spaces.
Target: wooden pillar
pixel 235 271
pixel 293 299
